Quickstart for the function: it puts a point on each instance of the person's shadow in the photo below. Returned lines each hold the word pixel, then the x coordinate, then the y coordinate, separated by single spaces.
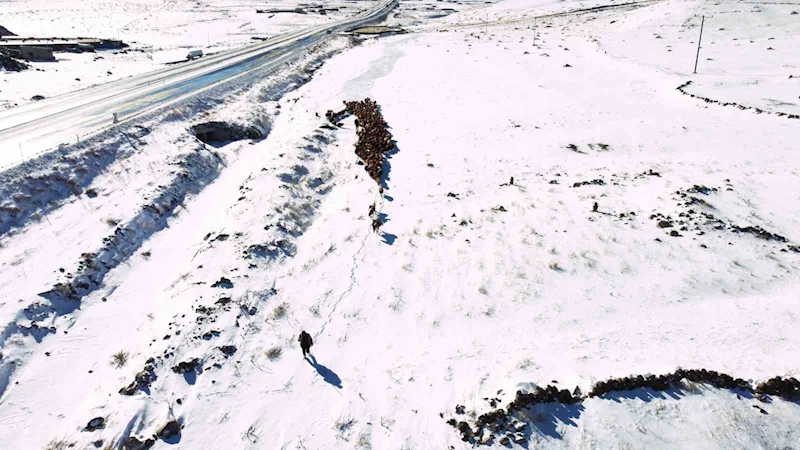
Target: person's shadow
pixel 327 374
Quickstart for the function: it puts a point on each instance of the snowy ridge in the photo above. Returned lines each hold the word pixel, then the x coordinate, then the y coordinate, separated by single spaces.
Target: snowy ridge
pixel 195 170
pixel 39 186
pixel 683 90
pixel 508 425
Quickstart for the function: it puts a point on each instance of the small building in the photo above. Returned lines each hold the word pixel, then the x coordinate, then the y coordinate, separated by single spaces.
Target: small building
pixel 110 44
pixel 34 53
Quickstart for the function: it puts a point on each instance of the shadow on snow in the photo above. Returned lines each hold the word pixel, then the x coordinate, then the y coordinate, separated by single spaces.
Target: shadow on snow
pixel 328 375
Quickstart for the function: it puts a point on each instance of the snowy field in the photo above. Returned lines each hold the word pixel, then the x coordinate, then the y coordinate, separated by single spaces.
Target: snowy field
pixel 181 273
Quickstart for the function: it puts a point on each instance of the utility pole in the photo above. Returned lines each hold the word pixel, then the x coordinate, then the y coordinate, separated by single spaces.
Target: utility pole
pixel 697 58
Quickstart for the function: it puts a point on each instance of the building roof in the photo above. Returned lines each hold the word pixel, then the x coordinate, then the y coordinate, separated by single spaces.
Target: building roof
pixel 17 41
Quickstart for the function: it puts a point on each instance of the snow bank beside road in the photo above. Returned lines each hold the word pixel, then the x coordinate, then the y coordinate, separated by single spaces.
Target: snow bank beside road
pixel 159 32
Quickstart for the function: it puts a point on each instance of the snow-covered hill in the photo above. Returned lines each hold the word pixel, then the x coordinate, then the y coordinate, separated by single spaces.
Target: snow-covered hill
pixel 476 285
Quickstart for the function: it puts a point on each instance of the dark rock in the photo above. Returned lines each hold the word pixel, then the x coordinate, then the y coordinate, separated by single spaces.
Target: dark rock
pixel 187 366
pixel 12 65
pixel 223 283
pixel 459 409
pixel 210 334
pixel 596 182
pixel 759 233
pixel 142 380
pixel 97 423
pixel 565 397
pixel 701 190
pixel 135 444
pixel 466 431
pixel 169 429
pixel 780 387
pixel 227 350
pixel 664 224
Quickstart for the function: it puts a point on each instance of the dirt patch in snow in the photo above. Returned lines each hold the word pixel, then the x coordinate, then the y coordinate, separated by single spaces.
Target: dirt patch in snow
pixel 700 216
pixel 218 134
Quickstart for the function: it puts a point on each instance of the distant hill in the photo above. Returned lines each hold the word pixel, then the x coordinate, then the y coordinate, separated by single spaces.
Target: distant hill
pixel 4 32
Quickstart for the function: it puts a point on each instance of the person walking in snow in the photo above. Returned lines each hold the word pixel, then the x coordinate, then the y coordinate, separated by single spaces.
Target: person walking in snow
pixel 305 342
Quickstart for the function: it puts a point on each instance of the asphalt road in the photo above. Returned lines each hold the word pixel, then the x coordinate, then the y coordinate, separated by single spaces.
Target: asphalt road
pixel 33 129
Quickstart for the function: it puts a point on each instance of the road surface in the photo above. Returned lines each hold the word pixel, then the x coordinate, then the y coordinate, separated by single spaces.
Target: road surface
pixel 33 129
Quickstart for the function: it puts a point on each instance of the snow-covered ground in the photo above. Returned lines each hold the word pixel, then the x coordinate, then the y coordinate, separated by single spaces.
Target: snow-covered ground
pixel 473 284
pixel 158 32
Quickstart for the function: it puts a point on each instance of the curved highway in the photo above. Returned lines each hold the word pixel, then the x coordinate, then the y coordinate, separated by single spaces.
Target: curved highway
pixel 32 129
